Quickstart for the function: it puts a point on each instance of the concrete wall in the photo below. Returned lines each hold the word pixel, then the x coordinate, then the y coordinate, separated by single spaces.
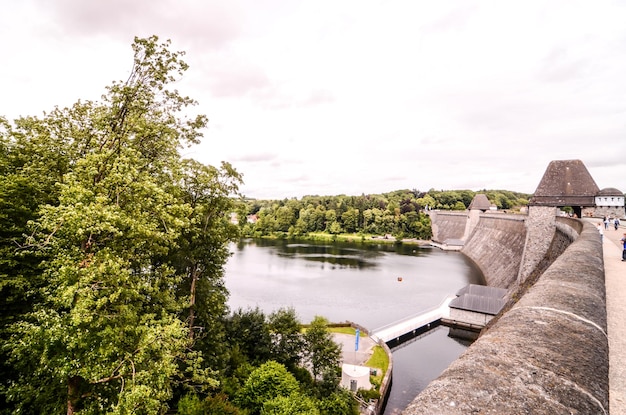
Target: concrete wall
pixel 470 317
pixel 548 353
pixel 448 225
pixel 496 245
pixel 540 227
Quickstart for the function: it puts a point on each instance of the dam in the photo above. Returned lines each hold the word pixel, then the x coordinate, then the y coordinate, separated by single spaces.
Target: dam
pixel 547 351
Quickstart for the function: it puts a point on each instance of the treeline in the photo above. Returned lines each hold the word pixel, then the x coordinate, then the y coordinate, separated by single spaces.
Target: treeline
pixel 400 213
pixel 112 253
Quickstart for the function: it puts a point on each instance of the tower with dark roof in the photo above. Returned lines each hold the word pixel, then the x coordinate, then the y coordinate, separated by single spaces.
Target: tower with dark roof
pixel 566 183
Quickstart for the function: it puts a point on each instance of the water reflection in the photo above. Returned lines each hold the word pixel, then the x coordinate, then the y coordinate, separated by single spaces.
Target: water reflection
pixel 340 256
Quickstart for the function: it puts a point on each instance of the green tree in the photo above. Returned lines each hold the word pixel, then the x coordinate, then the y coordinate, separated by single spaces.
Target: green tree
pixel 287 341
pixel 284 218
pixel 294 404
pixel 459 206
pixel 191 404
pixel 268 381
pixel 201 252
pixel 350 219
pixel 248 330
pixel 105 332
pixel 340 402
pixel 323 354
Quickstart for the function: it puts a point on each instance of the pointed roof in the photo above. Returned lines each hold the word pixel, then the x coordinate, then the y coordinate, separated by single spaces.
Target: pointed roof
pixel 480 202
pixel 565 183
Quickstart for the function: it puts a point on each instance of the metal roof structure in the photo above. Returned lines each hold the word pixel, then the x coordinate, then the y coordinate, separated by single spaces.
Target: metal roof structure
pixel 482 290
pixel 480 299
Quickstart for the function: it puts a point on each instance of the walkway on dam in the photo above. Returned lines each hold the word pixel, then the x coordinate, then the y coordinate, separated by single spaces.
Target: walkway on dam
pixel 615 280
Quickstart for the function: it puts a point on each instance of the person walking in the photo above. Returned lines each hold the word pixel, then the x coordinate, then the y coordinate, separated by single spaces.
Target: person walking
pixel 623 247
pixel 616 223
pixel 601 231
pixel 606 222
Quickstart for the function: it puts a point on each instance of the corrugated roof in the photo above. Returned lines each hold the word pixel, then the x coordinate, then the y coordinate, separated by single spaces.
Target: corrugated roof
pixel 478 303
pixel 482 290
pixel 566 183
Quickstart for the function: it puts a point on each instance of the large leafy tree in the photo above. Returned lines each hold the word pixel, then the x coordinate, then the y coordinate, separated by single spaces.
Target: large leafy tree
pixel 323 355
pixel 268 381
pixel 128 238
pixel 287 341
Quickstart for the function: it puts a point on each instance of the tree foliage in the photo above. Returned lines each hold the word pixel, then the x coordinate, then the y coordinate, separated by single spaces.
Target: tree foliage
pixel 271 380
pixel 323 354
pixel 114 248
pixel 401 213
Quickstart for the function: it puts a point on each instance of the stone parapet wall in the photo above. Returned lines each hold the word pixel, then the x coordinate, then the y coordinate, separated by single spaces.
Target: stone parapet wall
pixel 540 228
pixel 548 354
pixel 496 246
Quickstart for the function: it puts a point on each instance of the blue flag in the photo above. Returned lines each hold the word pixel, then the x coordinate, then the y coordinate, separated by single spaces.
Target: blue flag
pixel 356 340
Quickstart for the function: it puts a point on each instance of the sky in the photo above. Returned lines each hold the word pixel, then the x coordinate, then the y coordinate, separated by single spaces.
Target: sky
pixel 321 97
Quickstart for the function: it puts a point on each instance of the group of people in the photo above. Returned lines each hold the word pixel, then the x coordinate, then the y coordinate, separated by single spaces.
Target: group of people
pixel 607 221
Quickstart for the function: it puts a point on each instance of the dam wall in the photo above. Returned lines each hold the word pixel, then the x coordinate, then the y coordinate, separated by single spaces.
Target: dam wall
pixel 496 245
pixel 448 225
pixel 547 352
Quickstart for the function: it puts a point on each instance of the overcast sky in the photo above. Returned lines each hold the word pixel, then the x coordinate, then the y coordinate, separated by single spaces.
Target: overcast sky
pixel 316 97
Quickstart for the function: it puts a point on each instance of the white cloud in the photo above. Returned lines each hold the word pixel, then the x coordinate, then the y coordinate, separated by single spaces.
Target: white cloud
pixel 321 97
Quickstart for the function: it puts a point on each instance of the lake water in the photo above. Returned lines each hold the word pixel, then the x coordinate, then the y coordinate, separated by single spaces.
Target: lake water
pixel 358 283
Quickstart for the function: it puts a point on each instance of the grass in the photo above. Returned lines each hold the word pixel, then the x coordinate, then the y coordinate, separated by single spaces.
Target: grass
pixel 378 360
pixel 345 330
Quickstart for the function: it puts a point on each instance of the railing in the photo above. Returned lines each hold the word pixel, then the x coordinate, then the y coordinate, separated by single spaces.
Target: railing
pixel 401 327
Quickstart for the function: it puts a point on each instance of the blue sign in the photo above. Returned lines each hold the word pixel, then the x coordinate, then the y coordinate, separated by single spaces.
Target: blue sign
pixel 356 340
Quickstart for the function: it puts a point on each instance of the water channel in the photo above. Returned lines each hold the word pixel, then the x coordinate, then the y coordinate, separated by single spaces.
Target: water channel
pixel 372 285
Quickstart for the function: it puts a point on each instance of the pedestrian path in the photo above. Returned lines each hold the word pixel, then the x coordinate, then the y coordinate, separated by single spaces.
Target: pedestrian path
pixel 615 280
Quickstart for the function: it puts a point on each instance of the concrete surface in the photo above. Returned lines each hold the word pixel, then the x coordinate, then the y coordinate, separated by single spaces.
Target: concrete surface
pixel 348 354
pixel 615 280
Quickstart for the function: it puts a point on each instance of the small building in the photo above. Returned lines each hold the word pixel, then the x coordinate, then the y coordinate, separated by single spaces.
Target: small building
pixel 480 202
pixel 252 218
pixel 355 377
pixel 610 202
pixel 475 305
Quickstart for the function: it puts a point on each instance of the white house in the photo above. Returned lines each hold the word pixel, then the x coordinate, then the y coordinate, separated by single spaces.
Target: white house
pixel 610 202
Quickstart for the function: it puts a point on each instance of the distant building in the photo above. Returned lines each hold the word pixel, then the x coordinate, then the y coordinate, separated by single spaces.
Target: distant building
pixel 610 202
pixel 252 218
pixel 480 202
pixel 568 183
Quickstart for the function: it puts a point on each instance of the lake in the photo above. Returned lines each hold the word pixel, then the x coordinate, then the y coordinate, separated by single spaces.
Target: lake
pixel 372 285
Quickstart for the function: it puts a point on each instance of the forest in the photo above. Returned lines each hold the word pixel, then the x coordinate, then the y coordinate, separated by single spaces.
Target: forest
pixel 112 254
pixel 401 214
